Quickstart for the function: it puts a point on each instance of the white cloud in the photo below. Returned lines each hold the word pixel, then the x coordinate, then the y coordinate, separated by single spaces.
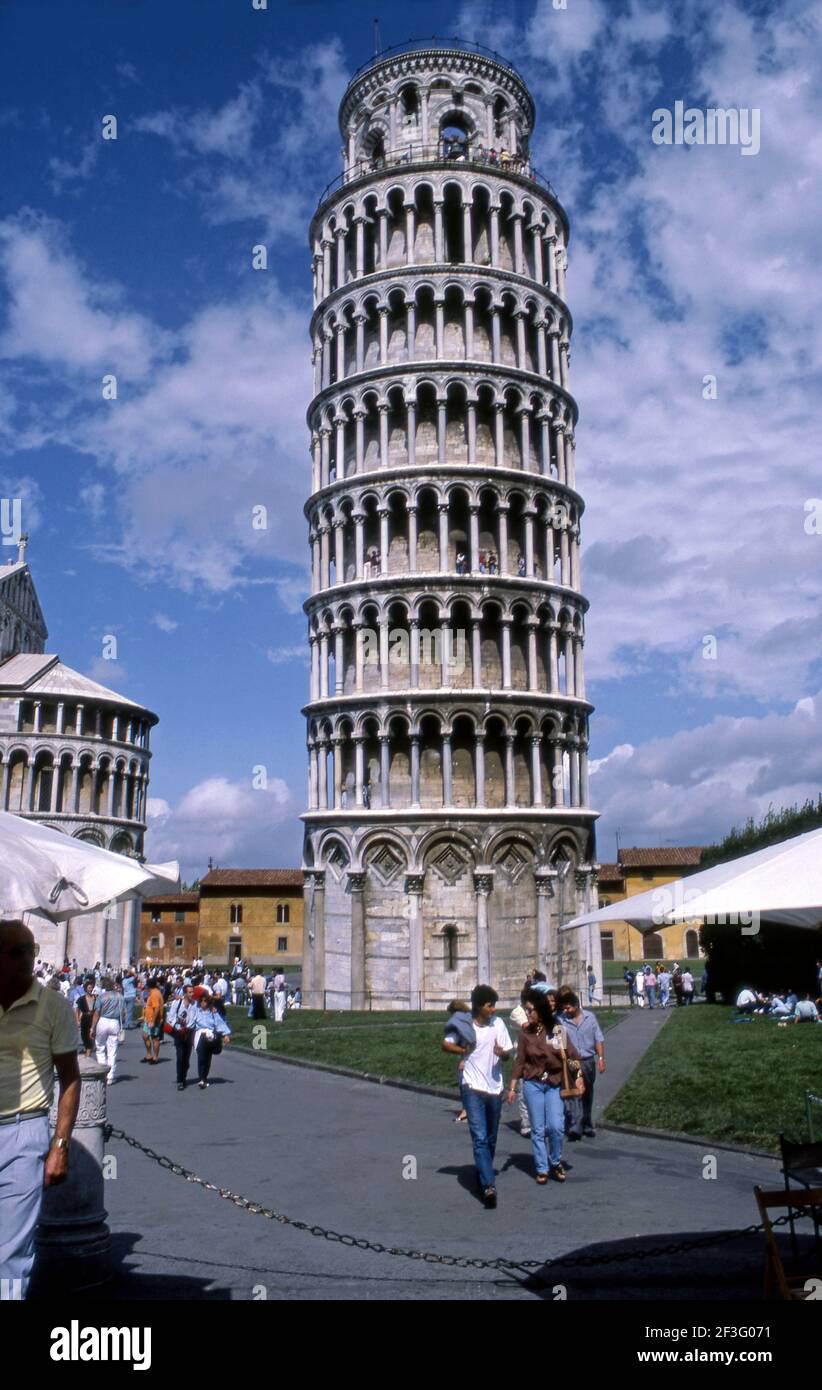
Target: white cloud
pixel 92 498
pixel 281 656
pixel 238 825
pixel 255 157
pixel 58 315
pixel 109 673
pixel 164 623
pixel 694 785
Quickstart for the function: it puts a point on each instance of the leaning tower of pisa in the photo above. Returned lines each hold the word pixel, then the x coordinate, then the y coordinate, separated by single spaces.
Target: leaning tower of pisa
pixel 448 833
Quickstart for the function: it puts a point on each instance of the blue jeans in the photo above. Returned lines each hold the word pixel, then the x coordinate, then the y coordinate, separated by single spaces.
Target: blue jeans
pixel 23 1147
pixel 664 996
pixel 547 1114
pixel 650 995
pixel 128 1000
pixel 484 1111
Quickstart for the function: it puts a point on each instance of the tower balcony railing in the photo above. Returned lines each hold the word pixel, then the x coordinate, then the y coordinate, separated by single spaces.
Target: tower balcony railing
pixel 434 41
pixel 447 153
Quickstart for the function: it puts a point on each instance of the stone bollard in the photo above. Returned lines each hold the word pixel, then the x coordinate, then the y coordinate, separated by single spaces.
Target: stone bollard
pixel 73 1242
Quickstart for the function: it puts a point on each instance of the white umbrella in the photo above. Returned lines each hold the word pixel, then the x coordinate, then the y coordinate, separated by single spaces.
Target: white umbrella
pixel 782 883
pixel 57 876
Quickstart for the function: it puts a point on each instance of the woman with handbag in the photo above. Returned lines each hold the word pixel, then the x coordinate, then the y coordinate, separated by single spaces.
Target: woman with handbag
pixel 108 1026
pixel 210 1030
pixel 548 1063
pixel 180 1024
pixel 84 1009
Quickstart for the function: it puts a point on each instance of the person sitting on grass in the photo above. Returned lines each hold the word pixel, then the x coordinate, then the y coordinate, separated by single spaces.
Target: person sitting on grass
pixel 806 1011
pixel 779 1008
pixel 746 1001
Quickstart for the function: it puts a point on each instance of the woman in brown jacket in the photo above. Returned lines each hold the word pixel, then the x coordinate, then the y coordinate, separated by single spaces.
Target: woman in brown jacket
pixel 539 1063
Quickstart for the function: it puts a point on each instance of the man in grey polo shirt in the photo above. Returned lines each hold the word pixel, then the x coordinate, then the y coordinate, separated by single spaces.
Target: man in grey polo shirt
pixel 38 1033
pixel 586 1034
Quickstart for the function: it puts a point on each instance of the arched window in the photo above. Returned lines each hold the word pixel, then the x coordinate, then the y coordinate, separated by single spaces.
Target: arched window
pixel 692 944
pixel 653 947
pixel 235 914
pixel 454 135
pixel 449 935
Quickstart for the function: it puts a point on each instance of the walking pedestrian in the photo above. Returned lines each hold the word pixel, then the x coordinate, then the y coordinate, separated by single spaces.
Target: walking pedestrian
pixel 482 1083
pixel 630 979
pixel 153 1013
pixel 130 996
pixel 650 987
pixel 539 1063
pixel 108 1026
pixel 38 1035
pixel 640 988
pixel 258 987
pixel 586 1035
pixel 84 1010
pixel 676 981
pixel 279 997
pixel 664 982
pixel 687 987
pixel 592 983
pixel 182 1015
pixel 461 1023
pixel 210 1031
pixel 519 1017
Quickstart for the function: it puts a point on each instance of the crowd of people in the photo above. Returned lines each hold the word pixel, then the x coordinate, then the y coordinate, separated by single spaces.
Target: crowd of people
pixel 559 1052
pixel 786 1006
pixel 455 148
pixel 657 986
pixel 187 1004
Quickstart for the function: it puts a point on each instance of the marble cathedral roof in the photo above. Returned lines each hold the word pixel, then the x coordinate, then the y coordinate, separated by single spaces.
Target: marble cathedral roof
pixel 33 674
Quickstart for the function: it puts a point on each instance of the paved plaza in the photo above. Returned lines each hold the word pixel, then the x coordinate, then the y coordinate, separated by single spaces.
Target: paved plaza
pixel 331 1151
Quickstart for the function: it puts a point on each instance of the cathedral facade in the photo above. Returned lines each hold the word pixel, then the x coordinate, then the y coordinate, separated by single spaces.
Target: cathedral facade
pixel 73 755
pixel 449 831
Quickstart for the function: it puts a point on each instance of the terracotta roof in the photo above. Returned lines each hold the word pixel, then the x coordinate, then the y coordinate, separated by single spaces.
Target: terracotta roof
pixel 610 873
pixel 672 857
pixel 253 878
pixel 172 899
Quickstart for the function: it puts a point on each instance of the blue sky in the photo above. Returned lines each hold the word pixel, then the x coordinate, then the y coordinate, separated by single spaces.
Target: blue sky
pixel 133 256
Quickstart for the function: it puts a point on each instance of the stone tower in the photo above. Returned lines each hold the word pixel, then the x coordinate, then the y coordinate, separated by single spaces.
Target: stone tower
pixel 448 831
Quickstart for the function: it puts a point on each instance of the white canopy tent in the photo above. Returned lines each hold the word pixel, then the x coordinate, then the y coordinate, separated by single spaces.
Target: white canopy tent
pixel 55 876
pixel 782 883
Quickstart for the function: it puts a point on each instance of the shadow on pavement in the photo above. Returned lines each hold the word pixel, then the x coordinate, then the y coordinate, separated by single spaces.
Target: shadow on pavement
pixel 131 1285
pixel 727 1271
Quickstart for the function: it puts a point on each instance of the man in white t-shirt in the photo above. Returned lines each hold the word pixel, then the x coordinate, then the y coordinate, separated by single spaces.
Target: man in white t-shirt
pixel 482 1082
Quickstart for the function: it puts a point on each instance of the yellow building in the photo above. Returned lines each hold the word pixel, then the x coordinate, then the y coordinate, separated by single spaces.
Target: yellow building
pixel 639 871
pixel 252 914
pixel 169 929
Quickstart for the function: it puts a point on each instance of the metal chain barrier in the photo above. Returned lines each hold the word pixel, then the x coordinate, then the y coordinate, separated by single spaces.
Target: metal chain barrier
pixel 428 1256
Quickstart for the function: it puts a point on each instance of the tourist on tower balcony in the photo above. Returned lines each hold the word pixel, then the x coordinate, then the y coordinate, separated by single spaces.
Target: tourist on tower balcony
pixel 482 1082
pixel 539 1064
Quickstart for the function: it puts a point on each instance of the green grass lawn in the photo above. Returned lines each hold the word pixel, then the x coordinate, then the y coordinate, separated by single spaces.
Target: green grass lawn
pixel 741 1083
pixel 369 1042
